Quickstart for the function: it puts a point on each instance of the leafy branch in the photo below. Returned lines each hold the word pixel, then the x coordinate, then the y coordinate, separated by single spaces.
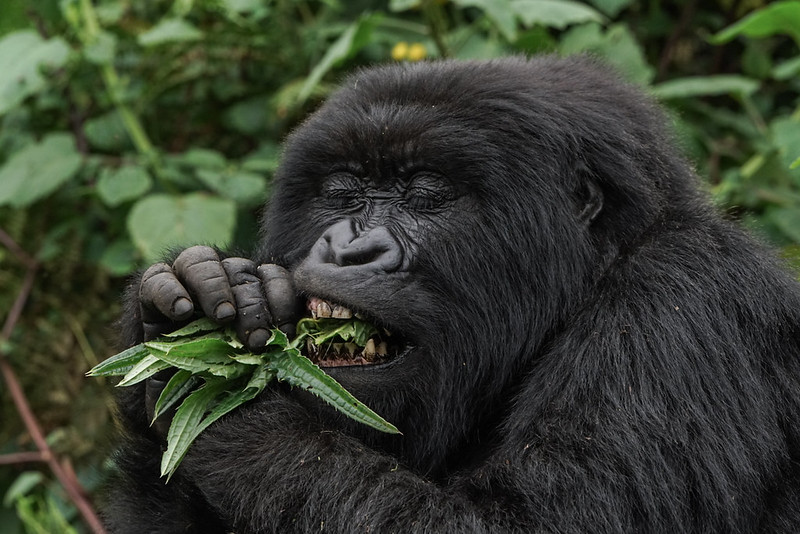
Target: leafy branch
pixel 214 375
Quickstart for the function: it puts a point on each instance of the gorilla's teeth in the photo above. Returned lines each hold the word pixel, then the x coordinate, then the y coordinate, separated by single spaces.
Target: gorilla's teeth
pixel 323 309
pixel 383 348
pixel 351 348
pixel 369 350
pixel 337 347
pixel 340 312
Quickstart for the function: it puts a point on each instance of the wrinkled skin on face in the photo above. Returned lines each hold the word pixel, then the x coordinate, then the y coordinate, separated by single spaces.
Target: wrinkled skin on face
pixel 569 338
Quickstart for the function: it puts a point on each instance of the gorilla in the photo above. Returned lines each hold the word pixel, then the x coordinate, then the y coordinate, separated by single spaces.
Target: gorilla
pixel 576 340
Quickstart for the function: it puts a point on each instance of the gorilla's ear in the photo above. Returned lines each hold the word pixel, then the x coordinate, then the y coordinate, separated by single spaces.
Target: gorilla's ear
pixel 588 196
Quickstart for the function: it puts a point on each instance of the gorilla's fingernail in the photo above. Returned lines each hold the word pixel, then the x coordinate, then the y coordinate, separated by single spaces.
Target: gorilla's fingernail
pixel 258 338
pixel 182 307
pixel 224 312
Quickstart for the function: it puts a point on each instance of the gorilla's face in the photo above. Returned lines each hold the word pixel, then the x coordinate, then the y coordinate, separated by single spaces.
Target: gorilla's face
pixel 442 208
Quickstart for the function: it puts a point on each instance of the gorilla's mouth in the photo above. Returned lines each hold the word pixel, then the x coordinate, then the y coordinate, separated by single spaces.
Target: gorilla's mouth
pixel 363 344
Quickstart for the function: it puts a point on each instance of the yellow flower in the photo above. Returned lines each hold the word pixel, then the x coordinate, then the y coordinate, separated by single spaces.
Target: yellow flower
pixel 416 52
pixel 400 51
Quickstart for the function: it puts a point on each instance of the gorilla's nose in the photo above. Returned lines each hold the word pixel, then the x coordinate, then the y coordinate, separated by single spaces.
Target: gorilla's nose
pixel 374 249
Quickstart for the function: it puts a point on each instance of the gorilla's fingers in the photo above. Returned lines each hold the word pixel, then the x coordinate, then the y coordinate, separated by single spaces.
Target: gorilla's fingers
pixel 200 270
pixel 252 315
pixel 163 300
pixel 282 299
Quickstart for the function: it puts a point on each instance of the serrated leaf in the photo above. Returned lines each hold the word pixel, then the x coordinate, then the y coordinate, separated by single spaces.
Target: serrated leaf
pixel 147 367
pixel 203 324
pixel 121 363
pixel 196 356
pixel 181 383
pixel 186 423
pixel 299 371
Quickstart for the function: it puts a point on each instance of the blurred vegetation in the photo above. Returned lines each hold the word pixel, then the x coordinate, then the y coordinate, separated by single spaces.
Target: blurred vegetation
pixel 126 127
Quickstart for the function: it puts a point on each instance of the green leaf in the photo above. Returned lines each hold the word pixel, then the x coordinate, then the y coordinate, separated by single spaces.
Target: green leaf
pixel 159 222
pixel 787 220
pixel 102 50
pixel 179 385
pixel 776 18
pixel 119 257
pixel 185 425
pixel 121 363
pixel 203 158
pixel 23 55
pixel 617 45
pixel 499 12
pixel 554 13
pixel 170 31
pixel 107 132
pixel 695 86
pixel 203 324
pixel 611 8
pixel 322 330
pixel 787 69
pixel 121 185
pixel 243 187
pixel 351 41
pixel 786 136
pixel 196 355
pixel 147 367
pixel 38 169
pixel 299 371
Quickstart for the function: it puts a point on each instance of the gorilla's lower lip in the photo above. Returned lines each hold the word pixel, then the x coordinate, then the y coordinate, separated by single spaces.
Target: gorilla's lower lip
pixel 381 347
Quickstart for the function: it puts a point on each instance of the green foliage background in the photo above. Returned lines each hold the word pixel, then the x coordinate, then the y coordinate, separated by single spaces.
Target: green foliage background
pixel 127 127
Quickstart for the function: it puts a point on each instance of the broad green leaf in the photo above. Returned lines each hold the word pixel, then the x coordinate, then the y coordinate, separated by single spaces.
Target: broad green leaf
pixel 611 8
pixel 179 385
pixel 616 44
pixel 301 372
pixel 107 132
pixel 170 31
pixel 322 330
pixel 121 363
pixel 102 50
pixel 786 136
pixel 203 158
pixel 38 169
pixel 23 55
pixel 776 18
pixel 350 42
pixel 499 12
pixel 787 69
pixel 186 423
pixel 120 185
pixel 119 257
pixel 554 13
pixel 147 367
pixel 787 220
pixel 159 222
pixel 245 188
pixel 695 86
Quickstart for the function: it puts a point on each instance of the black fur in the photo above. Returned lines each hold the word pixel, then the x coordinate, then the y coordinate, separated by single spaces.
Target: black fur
pixel 596 349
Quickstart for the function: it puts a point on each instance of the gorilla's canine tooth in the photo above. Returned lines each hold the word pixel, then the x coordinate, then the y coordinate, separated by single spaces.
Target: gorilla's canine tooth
pixel 340 312
pixel 383 349
pixel 369 350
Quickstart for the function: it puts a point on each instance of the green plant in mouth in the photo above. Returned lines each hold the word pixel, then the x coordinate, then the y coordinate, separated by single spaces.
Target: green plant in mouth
pixel 215 374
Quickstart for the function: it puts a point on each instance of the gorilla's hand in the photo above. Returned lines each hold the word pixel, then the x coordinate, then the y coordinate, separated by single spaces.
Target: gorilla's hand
pixel 234 290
